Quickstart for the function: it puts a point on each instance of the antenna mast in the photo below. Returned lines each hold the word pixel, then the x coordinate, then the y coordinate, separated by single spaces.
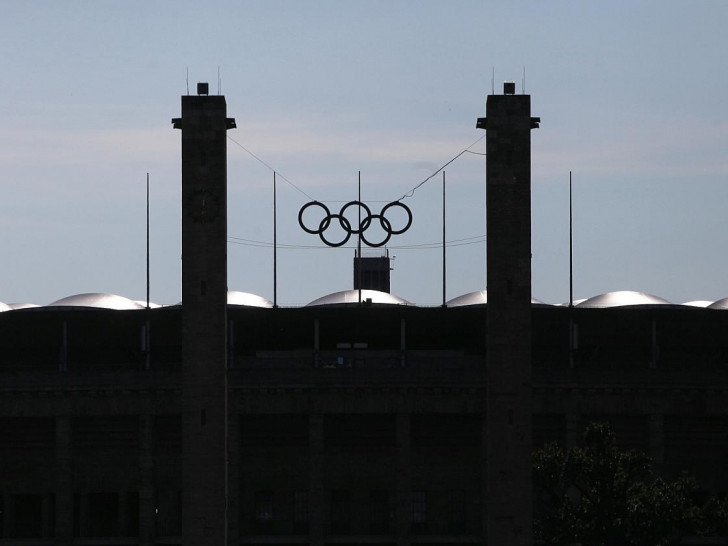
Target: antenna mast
pixel 523 82
pixel 358 244
pixel 444 261
pixel 147 240
pixel 275 245
pixel 147 327
pixel 571 249
pixel 572 326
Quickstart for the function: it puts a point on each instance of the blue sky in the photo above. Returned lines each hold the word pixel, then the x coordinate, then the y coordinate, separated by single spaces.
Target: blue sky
pixel 632 97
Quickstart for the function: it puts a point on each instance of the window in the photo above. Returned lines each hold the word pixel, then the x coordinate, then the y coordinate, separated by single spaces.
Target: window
pixel 380 512
pixel 365 431
pixel 300 511
pixel 168 513
pixel 132 514
pixel 340 512
pixel 263 511
pixel 419 510
pixel 96 514
pixel 103 515
pixel 27 521
pixel 456 522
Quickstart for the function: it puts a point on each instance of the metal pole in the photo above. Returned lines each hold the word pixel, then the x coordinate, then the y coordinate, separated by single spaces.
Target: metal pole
pixel 571 249
pixel 147 326
pixel 444 262
pixel 571 280
pixel 275 245
pixel 358 245
pixel 147 240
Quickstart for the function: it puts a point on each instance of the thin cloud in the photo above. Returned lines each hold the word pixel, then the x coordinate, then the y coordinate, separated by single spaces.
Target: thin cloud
pixel 662 148
pixel 346 141
pixel 83 146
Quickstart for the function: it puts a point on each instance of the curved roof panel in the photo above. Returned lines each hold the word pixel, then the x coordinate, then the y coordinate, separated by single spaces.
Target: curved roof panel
pixel 247 299
pixel 23 305
pixel 5 307
pixel 479 297
pixel 352 296
pixel 143 303
pixel 720 304
pixel 698 303
pixel 98 300
pixel 622 298
pixel 566 303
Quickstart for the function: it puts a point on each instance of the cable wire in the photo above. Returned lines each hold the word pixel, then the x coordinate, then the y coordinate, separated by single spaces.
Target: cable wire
pixel 269 167
pixel 466 150
pixel 421 246
pixel 405 196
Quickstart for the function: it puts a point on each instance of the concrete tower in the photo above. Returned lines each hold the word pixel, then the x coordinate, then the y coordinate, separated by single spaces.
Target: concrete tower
pixel 372 272
pixel 508 125
pixel 204 317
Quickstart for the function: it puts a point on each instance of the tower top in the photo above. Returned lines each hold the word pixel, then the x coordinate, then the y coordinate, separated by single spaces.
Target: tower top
pixel 202 105
pixel 508 107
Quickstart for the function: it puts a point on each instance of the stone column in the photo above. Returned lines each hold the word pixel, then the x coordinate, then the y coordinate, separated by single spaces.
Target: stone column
pixel 46 515
pixel 147 514
pixel 233 495
pixel 83 515
pixel 64 481
pixel 484 478
pixel 204 124
pixel 123 514
pixel 508 125
pixel 571 422
pixel 7 514
pixel 657 442
pixel 316 479
pixel 404 479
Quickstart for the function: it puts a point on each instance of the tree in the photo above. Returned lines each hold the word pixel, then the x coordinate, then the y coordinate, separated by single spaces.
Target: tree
pixel 714 517
pixel 599 495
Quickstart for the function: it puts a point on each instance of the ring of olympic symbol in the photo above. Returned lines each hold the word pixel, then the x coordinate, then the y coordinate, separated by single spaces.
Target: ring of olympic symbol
pixel 364 224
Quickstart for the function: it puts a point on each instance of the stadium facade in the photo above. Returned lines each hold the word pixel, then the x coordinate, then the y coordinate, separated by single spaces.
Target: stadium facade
pixel 352 420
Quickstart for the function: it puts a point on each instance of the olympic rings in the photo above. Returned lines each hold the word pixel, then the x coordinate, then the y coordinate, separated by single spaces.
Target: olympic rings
pixel 386 225
pixel 364 224
pixel 344 224
pixel 322 226
pixel 409 217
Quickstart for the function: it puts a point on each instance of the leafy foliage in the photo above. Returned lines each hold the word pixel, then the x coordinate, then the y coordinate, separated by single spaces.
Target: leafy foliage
pixel 599 495
pixel 714 517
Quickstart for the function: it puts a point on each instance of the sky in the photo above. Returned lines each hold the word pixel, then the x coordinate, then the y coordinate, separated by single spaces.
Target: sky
pixel 632 96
